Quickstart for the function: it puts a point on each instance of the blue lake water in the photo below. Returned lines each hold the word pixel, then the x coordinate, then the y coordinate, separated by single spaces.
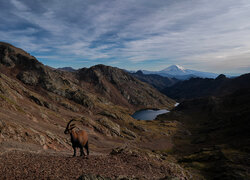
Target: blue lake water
pixel 148 114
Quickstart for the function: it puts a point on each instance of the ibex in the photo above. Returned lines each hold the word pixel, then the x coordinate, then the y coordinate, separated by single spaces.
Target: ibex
pixel 79 139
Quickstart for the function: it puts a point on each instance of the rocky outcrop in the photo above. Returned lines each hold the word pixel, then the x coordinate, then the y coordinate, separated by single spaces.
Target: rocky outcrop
pixel 29 78
pixel 129 133
pixel 110 125
pixel 80 97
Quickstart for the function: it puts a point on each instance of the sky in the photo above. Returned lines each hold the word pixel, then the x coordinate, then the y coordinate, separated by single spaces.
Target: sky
pixel 206 35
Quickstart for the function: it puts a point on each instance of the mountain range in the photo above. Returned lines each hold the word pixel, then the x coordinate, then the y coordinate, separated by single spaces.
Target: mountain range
pixel 165 78
pixel 204 87
pixel 173 71
pixel 179 72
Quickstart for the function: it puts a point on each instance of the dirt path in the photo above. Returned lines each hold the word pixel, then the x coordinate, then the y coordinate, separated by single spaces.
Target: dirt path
pixel 25 165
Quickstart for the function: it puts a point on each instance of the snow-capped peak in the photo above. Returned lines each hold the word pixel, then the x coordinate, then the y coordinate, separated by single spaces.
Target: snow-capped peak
pixel 181 73
pixel 180 67
pixel 174 68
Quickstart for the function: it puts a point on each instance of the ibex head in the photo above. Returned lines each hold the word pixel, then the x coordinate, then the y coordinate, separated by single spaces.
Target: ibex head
pixel 69 127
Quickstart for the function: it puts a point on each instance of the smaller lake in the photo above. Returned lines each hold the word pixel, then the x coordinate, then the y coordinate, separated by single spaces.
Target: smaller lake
pixel 148 114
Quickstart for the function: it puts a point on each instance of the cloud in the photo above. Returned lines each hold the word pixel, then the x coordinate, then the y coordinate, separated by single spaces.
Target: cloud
pixel 19 5
pixel 206 35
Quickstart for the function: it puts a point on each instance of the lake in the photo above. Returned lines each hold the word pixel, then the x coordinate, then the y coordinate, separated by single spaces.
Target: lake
pixel 148 114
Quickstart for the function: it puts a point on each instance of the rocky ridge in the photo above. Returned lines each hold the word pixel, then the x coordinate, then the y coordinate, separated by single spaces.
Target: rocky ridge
pixel 204 87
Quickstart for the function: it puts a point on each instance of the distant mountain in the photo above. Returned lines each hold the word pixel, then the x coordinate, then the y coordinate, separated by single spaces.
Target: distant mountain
pixel 179 72
pixel 69 69
pixel 202 87
pixel 157 81
pixel 174 70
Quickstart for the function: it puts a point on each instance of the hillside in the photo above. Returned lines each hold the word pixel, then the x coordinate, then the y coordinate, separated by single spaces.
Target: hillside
pixel 121 88
pixel 215 136
pixel 199 87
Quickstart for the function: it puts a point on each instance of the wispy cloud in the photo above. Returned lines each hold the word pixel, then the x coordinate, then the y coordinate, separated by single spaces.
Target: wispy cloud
pixel 208 35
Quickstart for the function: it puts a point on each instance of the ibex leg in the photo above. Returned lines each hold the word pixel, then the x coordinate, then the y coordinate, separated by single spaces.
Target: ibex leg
pixel 82 152
pixel 87 147
pixel 74 151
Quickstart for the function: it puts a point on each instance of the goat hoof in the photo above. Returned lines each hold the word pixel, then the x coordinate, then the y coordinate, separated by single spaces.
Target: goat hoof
pixel 86 157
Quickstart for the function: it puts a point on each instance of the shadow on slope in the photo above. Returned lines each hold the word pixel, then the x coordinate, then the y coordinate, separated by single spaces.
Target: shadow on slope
pixel 217 142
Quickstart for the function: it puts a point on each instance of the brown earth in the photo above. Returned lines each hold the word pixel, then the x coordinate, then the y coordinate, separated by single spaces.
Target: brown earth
pixel 44 165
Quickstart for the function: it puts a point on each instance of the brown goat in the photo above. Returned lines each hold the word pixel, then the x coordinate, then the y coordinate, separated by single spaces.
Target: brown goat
pixel 79 139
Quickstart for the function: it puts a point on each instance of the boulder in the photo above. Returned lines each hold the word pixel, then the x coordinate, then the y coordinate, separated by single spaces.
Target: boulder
pixel 29 78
